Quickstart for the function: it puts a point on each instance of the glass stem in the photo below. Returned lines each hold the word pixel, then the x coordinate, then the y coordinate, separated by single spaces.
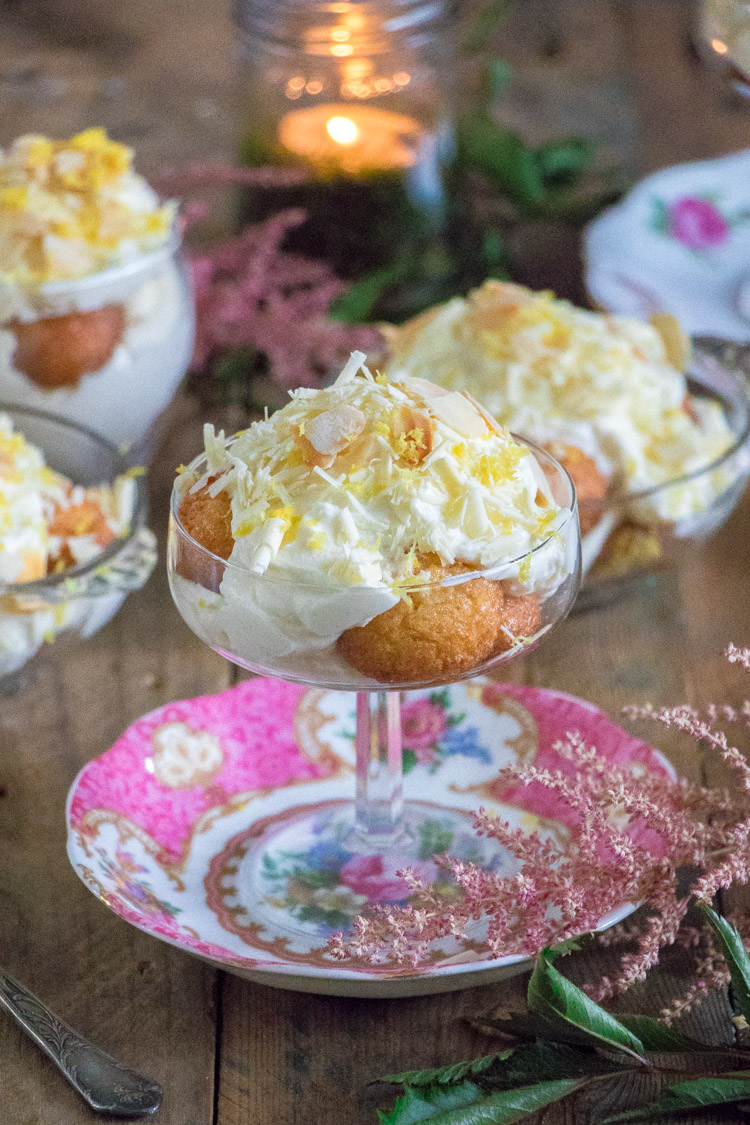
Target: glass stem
pixel 380 800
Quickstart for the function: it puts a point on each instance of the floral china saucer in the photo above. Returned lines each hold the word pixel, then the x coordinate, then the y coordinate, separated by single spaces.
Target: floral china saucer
pixel 679 242
pixel 165 827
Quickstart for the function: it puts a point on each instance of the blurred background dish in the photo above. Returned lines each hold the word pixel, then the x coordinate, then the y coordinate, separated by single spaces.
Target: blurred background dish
pixel 92 551
pixel 96 310
pixel 724 38
pixel 678 243
pixel 638 533
pixel 653 432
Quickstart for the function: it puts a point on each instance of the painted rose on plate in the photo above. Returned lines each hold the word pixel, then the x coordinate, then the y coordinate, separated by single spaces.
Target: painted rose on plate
pixel 697 222
pixel 328 884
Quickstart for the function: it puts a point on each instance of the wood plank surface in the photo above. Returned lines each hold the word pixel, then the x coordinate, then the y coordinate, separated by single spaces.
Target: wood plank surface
pixel 227 1051
pixel 136 997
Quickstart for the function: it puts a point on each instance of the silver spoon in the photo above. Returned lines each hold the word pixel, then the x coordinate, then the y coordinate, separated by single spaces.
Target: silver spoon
pixel 107 1085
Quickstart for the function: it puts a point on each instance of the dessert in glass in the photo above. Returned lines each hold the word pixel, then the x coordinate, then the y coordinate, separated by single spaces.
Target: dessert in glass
pixel 73 540
pixel 96 313
pixel 373 536
pixel 653 431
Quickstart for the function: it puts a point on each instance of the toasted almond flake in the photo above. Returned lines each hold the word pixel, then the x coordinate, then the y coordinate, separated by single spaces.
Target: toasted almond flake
pixel 676 342
pixel 310 455
pixel 493 423
pixel 334 429
pixel 456 411
pixel 426 389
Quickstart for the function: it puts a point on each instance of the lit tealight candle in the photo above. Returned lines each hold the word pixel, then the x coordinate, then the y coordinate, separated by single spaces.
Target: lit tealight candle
pixel 352 139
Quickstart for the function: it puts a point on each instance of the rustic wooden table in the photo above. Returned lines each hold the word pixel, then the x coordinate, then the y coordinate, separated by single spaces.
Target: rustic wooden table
pixel 226 1051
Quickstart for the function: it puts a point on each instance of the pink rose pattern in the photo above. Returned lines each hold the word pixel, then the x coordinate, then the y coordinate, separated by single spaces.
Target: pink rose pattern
pixel 611 741
pixel 696 222
pixel 432 731
pixel 375 876
pixel 422 724
pixel 327 884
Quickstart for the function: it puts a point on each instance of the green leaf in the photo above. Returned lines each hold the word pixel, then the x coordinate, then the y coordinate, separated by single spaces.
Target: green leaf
pixel 503 157
pixel 482 26
pixel 657 1036
pixel 424 1105
pixel 360 298
pixel 440 699
pixel 543 1061
pixel 562 948
pixel 735 955
pixel 496 79
pixel 659 220
pixel 494 264
pixel 696 1094
pixel 235 365
pixel 562 162
pixel 573 1016
pixel 409 1108
pixel 315 878
pixel 408 760
pixel 435 837
pixel 447 1075
pixel 335 919
pixel 506 1107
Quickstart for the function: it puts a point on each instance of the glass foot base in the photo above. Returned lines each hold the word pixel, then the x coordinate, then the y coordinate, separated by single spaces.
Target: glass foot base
pixel 310 875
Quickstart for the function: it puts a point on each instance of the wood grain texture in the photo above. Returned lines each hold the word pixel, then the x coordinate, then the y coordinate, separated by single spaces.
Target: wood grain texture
pixel 143 1001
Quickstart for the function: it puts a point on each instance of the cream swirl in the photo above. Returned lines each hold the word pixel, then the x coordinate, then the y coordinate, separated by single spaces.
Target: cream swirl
pixel 612 386
pixel 353 484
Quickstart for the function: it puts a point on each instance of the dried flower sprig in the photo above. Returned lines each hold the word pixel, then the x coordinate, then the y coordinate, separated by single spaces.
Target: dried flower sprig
pixel 271 307
pixel 565 1047
pixel 262 312
pixel 632 832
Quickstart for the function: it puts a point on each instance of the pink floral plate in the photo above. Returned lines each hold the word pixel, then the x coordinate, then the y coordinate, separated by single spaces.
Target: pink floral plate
pixel 679 242
pixel 165 827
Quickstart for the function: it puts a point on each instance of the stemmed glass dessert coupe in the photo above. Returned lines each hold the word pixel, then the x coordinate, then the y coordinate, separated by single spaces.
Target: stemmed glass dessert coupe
pixel 249 619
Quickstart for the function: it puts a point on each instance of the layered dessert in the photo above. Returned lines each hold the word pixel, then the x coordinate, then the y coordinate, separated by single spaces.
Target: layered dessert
pixel 96 319
pixel 371 532
pixel 607 395
pixel 48 526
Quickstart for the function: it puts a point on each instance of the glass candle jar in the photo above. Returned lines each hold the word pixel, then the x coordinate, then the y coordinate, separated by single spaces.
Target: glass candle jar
pixel 358 96
pixel 725 36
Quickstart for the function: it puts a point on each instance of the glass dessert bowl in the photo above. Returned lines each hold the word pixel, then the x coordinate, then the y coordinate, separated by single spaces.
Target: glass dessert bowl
pixel 652 428
pixel 373 613
pixel 96 309
pixel 627 536
pixel 72 549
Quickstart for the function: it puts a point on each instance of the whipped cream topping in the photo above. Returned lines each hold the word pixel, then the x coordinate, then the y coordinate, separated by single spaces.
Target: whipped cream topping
pixel 549 370
pixel 46 523
pixel 352 485
pixel 71 208
pixel 26 486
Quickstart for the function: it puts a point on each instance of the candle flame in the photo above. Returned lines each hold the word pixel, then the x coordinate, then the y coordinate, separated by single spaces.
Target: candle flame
pixel 720 47
pixel 342 130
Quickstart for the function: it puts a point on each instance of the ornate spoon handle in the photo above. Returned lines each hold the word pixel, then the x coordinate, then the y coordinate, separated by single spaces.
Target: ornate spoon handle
pixel 107 1085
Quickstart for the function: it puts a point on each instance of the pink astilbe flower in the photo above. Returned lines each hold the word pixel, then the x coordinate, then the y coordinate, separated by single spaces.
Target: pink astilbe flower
pixel 738 656
pixel 254 295
pixel 628 832
pixel 250 293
